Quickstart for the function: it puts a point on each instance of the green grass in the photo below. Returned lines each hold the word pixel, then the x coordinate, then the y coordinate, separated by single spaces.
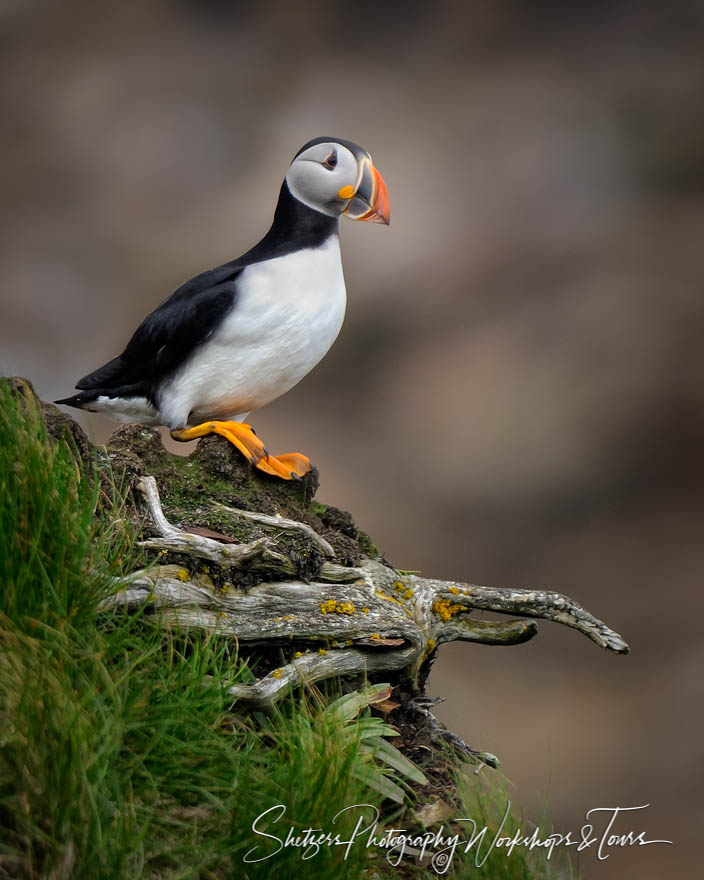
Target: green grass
pixel 487 801
pixel 115 760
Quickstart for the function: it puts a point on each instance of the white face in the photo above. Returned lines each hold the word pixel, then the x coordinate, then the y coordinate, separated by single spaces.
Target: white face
pixel 317 176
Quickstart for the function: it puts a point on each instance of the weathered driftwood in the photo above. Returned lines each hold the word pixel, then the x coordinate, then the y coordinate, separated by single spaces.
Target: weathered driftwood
pixel 349 621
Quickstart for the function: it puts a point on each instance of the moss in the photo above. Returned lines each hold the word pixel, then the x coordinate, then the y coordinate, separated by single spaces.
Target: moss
pixel 59 426
pixel 340 521
pixel 366 545
pixel 215 471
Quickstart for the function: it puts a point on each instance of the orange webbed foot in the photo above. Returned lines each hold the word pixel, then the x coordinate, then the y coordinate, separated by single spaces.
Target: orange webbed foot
pixel 292 466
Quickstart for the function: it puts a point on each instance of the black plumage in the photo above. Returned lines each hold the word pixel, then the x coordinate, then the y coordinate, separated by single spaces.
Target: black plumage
pixel 192 313
pixel 164 339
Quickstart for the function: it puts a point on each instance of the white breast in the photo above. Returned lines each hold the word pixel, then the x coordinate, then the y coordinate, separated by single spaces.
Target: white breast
pixel 288 313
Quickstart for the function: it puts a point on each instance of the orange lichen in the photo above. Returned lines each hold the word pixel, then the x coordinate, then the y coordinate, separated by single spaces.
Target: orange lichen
pixel 332 606
pixel 446 609
pixel 403 589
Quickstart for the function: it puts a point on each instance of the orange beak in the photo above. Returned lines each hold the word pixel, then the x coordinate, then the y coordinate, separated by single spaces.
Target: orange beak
pixel 371 198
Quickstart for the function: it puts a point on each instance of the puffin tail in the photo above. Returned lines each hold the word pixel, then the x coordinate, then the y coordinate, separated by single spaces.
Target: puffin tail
pixel 78 401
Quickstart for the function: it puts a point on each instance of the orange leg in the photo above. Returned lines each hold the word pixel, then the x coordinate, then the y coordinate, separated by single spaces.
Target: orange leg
pixel 292 466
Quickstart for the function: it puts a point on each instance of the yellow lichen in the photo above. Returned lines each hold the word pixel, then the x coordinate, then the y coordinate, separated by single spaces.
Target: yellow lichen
pixel 446 609
pixel 298 654
pixel 332 606
pixel 322 651
pixel 375 636
pixel 277 673
pixel 182 574
pixel 365 611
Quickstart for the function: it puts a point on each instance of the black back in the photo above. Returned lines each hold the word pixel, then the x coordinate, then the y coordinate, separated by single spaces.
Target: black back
pixel 191 314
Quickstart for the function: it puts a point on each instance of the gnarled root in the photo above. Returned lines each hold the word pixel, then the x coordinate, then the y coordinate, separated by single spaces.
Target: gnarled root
pixel 354 620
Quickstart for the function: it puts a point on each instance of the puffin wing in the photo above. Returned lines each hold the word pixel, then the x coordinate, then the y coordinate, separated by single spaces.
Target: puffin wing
pixel 166 337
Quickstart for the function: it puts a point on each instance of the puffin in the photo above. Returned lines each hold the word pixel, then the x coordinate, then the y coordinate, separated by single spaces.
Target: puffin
pixel 238 336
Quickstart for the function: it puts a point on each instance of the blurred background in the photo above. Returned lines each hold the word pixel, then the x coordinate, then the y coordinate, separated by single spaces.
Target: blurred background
pixel 517 395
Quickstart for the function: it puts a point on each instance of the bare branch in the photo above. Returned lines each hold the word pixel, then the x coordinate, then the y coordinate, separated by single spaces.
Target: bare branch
pixel 488 632
pixel 313 667
pixel 530 603
pixel 179 541
pixel 279 522
pixel 257 555
pixel 354 620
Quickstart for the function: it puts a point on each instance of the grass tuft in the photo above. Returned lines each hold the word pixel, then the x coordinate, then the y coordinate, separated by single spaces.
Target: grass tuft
pixel 116 761
pixel 121 755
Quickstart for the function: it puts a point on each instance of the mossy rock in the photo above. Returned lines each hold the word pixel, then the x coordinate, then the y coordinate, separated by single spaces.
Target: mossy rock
pixel 214 472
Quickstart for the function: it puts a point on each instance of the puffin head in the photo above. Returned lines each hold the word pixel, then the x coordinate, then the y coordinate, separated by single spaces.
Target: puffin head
pixel 335 176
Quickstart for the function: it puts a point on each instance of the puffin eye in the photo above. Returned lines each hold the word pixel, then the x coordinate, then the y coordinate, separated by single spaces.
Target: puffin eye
pixel 331 160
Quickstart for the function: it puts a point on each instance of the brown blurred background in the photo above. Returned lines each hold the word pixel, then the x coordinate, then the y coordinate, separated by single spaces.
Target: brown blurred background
pixel 517 396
